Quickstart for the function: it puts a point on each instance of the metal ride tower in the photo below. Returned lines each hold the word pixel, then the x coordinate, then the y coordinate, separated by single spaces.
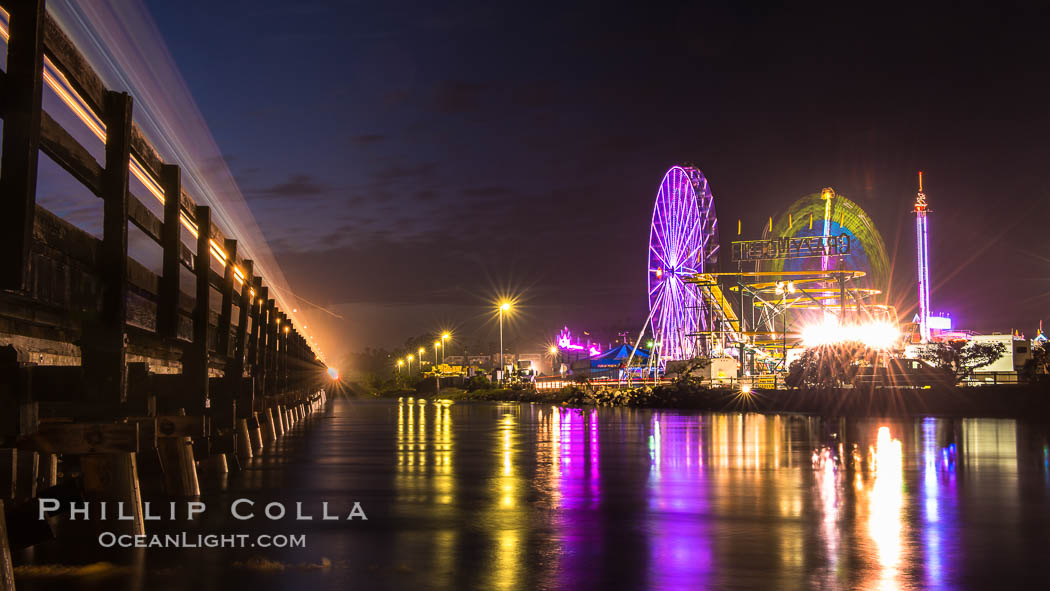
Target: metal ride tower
pixel 921 209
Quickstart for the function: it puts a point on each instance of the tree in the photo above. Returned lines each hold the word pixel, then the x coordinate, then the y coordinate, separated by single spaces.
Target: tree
pixel 687 372
pixel 962 359
pixel 1038 367
pixel 830 366
pixel 478 382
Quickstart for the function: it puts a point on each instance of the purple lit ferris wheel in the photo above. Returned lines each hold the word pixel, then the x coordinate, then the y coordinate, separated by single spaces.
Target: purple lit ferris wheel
pixel 683 241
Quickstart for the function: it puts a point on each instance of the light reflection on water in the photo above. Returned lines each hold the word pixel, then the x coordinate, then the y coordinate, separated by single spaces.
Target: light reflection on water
pixel 872 509
pixel 720 490
pixel 524 496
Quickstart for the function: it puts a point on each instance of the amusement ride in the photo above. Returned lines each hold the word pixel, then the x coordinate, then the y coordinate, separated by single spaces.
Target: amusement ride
pixel 817 271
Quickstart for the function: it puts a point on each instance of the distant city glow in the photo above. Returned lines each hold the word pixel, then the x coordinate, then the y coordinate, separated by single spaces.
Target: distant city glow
pixel 877 335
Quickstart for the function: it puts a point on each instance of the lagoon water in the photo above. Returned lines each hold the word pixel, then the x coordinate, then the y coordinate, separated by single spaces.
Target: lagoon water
pixel 524 496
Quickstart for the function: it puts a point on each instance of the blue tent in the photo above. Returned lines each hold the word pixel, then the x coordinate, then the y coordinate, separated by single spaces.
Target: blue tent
pixel 619 355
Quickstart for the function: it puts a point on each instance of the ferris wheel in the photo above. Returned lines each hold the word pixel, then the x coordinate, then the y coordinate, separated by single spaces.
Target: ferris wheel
pixel 683 241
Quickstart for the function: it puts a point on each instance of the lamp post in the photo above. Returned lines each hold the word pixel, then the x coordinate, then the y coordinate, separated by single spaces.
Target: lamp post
pixel 409 365
pixel 422 351
pixel 436 345
pixel 400 362
pixel 444 337
pixel 504 307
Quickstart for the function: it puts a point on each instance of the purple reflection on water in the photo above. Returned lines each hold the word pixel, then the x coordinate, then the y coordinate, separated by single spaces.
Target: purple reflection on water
pixel 678 511
pixel 576 474
pixel 939 499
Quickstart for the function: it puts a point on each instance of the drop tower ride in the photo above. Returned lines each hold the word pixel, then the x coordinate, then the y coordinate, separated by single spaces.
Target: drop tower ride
pixel 921 210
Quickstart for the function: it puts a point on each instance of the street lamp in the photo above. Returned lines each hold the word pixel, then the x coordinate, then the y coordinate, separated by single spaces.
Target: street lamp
pixel 503 307
pixel 400 362
pixel 409 365
pixel 422 350
pixel 436 345
pixel 444 337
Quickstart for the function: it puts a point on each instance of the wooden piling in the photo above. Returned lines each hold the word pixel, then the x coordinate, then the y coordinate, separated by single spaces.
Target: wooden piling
pixel 48 476
pixel 114 477
pixel 278 420
pixel 28 472
pixel 8 473
pixel 180 470
pixel 7 571
pixel 255 432
pixel 244 441
pixel 269 432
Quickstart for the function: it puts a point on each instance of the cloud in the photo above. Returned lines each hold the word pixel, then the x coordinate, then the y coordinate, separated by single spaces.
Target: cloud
pixel 489 191
pixel 368 138
pixel 456 97
pixel 400 171
pixel 296 185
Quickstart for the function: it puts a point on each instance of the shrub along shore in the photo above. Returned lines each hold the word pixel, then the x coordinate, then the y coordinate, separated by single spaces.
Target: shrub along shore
pixel 1024 401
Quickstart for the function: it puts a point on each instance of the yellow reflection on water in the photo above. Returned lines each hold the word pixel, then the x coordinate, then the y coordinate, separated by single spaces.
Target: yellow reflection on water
pixel 424 451
pixel 505 521
pixel 885 500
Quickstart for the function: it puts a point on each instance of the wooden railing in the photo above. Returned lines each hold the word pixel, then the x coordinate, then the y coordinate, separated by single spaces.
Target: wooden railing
pixel 70 299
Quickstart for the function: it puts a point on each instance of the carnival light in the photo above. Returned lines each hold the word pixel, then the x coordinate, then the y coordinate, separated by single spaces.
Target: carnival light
pixel 683 241
pixel 877 335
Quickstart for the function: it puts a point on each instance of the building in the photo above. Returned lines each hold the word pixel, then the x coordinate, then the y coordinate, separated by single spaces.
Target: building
pixel 1018 352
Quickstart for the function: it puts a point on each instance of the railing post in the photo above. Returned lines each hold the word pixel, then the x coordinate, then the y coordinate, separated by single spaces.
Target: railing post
pixel 222 344
pixel 198 355
pixel 235 367
pixel 282 353
pixel 171 241
pixel 104 346
pixel 265 318
pixel 256 312
pixel 274 317
pixel 21 138
pixel 244 307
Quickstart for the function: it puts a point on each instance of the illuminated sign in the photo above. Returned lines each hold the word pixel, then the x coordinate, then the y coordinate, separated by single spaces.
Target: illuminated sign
pixel 940 322
pixel 792 248
pixel 565 342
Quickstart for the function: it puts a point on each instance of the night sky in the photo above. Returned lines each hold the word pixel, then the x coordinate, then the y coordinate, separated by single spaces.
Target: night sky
pixel 410 161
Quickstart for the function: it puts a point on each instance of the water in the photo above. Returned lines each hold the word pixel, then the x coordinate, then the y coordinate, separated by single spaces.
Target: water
pixel 519 496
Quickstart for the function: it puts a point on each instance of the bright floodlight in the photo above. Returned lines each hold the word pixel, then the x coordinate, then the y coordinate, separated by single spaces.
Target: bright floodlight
pixel 504 306
pixel 333 373
pixel 553 350
pixel 445 336
pixel 877 335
